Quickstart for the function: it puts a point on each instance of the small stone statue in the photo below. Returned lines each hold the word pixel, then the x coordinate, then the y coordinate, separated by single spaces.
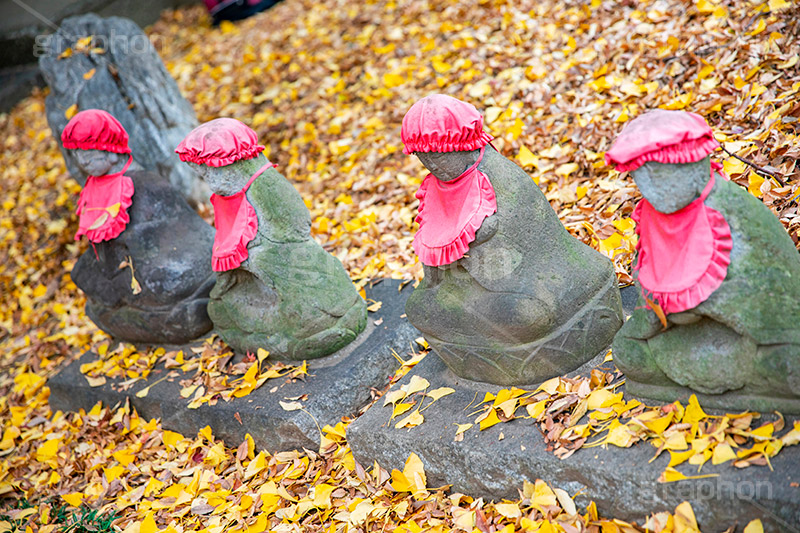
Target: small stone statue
pixel 719 269
pixel 277 289
pixel 508 297
pixel 147 275
pixel 122 73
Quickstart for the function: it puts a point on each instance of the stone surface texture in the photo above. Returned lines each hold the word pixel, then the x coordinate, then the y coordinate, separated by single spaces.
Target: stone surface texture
pixel 739 349
pixel 494 463
pixel 528 301
pixel 130 82
pixel 289 296
pixel 170 248
pixel 339 385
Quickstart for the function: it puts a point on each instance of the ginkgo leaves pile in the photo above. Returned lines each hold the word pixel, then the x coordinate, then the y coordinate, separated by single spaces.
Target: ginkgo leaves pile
pixel 212 373
pixel 326 83
pixel 159 480
pixel 583 412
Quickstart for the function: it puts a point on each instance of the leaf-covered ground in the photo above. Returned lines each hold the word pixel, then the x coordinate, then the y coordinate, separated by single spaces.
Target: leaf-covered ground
pixel 325 84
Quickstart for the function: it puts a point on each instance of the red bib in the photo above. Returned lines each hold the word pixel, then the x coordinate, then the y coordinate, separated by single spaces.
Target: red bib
pixel 103 206
pixel 450 212
pixel 683 256
pixel 236 223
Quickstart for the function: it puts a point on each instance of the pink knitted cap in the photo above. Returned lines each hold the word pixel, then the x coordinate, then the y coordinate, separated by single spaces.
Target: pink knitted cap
pixel 95 129
pixel 441 123
pixel 662 136
pixel 219 142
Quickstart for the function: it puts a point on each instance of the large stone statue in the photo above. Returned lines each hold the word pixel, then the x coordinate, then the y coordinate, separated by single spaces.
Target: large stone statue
pixel 717 266
pixel 277 288
pixel 147 275
pixel 508 297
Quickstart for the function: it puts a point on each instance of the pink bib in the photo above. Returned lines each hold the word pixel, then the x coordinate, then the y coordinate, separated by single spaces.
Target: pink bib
pixel 236 223
pixel 450 212
pixel 684 256
pixel 103 206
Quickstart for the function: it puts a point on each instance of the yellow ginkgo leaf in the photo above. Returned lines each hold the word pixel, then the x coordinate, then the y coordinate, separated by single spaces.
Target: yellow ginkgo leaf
pixel 100 220
pixel 755 526
pixel 441 392
pixel 412 420
pixel 508 510
pixel 148 524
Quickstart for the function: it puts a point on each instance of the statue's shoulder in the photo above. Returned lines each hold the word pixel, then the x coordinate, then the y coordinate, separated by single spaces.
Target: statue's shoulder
pixel 145 178
pixel 155 198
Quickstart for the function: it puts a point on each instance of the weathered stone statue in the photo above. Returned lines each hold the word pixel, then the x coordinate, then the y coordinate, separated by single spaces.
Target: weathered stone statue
pixel 509 297
pixel 147 275
pixel 717 265
pixel 109 63
pixel 277 288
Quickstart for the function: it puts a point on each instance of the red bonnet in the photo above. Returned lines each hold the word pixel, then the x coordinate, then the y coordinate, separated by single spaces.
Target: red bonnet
pixel 662 136
pixel 219 142
pixel 95 129
pixel 441 123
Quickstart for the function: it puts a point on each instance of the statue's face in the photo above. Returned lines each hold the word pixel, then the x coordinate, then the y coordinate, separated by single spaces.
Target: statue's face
pixel 227 180
pixel 213 176
pixel 96 162
pixel 447 166
pixel 671 187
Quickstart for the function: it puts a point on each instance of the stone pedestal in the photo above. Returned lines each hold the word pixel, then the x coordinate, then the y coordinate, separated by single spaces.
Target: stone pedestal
pixel 338 385
pixel 622 482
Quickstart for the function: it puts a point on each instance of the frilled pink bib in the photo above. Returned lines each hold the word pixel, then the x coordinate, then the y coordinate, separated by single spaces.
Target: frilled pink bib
pixel 103 206
pixel 450 212
pixel 236 225
pixel 683 256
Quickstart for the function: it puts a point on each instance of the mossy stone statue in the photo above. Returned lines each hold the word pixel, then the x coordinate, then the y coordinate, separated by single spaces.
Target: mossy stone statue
pixel 717 265
pixel 277 288
pixel 508 297
pixel 147 275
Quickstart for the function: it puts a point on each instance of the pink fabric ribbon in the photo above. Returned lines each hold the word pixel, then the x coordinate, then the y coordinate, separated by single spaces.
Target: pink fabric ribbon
pixel 450 212
pixel 683 256
pixel 103 206
pixel 236 223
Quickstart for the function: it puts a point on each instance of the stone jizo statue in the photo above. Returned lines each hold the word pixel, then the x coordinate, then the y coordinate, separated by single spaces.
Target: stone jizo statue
pixel 717 266
pixel 277 288
pixel 508 297
pixel 146 275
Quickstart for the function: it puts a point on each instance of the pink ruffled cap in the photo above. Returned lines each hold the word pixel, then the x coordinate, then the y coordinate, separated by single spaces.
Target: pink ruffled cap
pixel 441 123
pixel 662 136
pixel 219 142
pixel 95 129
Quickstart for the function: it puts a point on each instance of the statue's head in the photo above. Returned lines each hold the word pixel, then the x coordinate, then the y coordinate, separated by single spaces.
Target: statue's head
pixel 98 140
pixel 667 153
pixel 445 133
pixel 224 152
pixel 670 187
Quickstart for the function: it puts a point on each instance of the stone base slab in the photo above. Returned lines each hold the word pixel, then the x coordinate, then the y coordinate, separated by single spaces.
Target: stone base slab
pixel 621 481
pixel 338 385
